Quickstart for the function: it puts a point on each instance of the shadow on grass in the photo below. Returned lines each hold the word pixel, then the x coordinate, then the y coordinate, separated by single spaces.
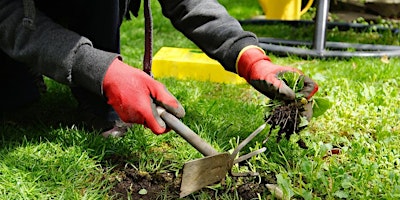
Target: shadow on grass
pixel 54 118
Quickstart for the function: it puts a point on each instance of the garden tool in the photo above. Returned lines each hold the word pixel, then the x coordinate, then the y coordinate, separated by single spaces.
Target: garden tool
pixel 214 166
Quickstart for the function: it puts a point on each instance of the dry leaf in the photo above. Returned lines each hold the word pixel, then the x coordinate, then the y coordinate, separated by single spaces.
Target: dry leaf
pixel 385 59
pixel 333 151
pixel 354 65
pixel 274 189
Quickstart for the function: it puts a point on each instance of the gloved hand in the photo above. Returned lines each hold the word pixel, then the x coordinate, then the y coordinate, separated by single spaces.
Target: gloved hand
pixel 258 70
pixel 134 95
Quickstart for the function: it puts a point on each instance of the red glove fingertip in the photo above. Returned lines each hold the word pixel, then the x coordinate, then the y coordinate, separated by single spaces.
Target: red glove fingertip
pixel 315 90
pixel 155 123
pixel 156 129
pixel 310 88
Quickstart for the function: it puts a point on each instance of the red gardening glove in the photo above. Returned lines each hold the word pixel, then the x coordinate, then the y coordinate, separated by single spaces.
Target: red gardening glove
pixel 134 95
pixel 258 70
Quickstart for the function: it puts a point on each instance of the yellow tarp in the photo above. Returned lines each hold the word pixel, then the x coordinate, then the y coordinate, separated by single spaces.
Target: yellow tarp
pixel 193 64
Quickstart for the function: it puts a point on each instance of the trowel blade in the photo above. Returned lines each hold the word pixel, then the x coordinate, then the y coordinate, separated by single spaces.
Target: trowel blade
pixel 203 172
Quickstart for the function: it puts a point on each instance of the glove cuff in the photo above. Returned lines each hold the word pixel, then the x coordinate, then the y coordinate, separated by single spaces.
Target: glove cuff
pixel 247 57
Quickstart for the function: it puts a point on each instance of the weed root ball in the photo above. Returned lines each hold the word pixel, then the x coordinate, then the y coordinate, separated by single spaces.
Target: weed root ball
pixel 286 118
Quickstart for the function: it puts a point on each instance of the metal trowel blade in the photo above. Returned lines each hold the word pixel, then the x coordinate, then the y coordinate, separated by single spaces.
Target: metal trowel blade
pixel 203 172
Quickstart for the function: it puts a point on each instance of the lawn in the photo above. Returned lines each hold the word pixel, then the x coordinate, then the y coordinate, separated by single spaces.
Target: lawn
pixel 353 150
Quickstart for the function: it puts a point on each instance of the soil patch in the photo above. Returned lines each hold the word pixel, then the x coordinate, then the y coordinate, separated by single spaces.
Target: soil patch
pixel 130 183
pixel 134 184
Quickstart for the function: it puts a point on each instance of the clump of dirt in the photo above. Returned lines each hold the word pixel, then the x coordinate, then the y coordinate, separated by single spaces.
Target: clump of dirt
pixel 252 187
pixel 130 183
pixel 134 184
pixel 286 117
pixel 250 190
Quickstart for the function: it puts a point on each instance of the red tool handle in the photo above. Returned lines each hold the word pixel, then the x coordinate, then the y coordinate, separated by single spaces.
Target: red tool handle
pixel 186 133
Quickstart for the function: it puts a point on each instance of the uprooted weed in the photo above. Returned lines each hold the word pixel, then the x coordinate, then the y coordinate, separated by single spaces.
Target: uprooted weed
pixel 288 119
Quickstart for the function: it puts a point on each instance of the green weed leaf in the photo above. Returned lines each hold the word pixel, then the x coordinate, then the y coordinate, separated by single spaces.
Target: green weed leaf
pixel 307 195
pixel 294 80
pixel 341 194
pixel 320 106
pixel 284 183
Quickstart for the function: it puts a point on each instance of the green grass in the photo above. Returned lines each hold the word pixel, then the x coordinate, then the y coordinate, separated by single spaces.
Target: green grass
pixel 43 156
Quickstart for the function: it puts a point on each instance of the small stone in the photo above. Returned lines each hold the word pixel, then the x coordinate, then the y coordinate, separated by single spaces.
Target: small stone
pixel 142 191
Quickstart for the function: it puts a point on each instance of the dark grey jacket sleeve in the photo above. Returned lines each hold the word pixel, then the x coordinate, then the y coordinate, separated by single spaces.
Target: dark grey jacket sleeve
pixel 52 50
pixel 210 27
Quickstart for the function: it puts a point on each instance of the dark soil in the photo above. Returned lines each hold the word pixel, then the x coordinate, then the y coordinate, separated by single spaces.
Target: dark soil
pixel 128 182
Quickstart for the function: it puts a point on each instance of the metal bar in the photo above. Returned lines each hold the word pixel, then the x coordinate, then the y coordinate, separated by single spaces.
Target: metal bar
pixel 249 155
pixel 342 26
pixel 247 140
pixel 186 133
pixel 331 45
pixel 306 53
pixel 320 25
pixel 148 41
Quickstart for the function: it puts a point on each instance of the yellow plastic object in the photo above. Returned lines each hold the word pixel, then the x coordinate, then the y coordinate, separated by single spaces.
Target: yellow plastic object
pixel 284 9
pixel 190 64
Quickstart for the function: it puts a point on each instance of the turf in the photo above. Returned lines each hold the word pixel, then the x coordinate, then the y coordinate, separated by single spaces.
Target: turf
pixel 353 148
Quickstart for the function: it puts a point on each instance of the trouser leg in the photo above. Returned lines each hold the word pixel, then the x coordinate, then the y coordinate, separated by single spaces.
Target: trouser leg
pixel 17 84
pixel 99 21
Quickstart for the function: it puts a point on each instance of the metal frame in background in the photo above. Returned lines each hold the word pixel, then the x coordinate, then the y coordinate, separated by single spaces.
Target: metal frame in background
pixel 320 48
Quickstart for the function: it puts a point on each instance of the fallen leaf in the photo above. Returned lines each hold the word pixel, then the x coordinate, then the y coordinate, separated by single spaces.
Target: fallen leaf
pixel 333 151
pixel 354 65
pixel 385 59
pixel 274 189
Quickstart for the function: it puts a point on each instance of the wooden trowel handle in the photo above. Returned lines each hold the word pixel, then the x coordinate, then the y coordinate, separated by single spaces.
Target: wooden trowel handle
pixel 186 133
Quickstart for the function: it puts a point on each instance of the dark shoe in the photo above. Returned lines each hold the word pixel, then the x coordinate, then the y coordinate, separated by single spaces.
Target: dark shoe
pixel 119 130
pixel 97 115
pixel 107 128
pixel 93 122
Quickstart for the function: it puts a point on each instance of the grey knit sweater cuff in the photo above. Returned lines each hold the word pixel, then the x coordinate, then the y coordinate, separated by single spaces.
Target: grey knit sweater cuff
pixel 90 67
